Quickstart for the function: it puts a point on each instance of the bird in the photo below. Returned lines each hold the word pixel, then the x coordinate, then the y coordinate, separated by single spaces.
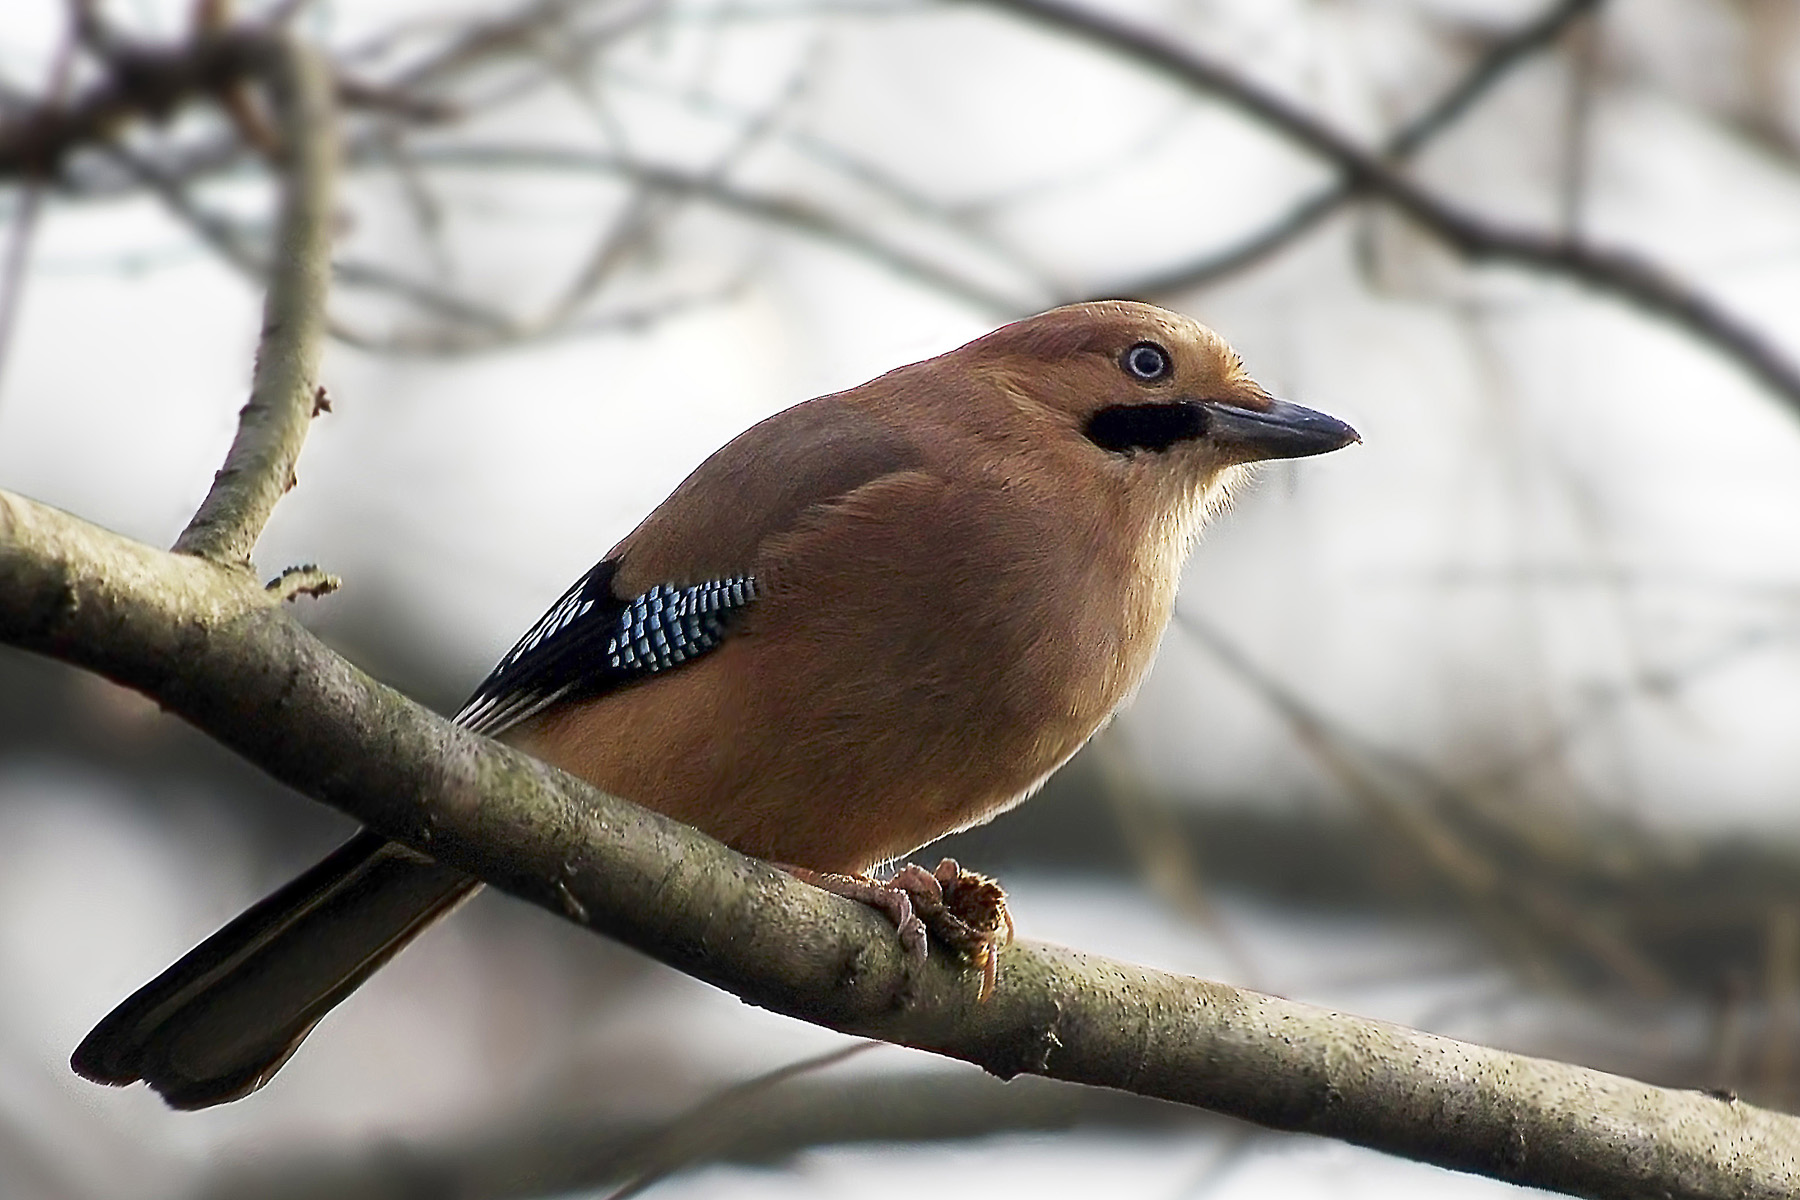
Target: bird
pixel 875 618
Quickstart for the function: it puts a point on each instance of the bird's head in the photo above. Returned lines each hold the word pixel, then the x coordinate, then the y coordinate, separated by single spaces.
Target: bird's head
pixel 1147 390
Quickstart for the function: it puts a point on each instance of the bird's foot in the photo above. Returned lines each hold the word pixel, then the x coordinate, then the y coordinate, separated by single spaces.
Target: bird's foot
pixel 964 911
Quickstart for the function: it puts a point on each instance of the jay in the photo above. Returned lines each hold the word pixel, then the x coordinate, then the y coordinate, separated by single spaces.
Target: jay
pixel 875 618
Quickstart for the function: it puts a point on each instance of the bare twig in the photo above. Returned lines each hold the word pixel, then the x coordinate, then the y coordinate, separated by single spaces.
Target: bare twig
pixel 1600 703
pixel 25 217
pixel 523 32
pixel 140 82
pixel 143 81
pixel 272 426
pixel 694 1136
pixel 1618 273
pixel 634 227
pixel 171 187
pixel 964 218
pixel 469 327
pixel 453 342
pixel 569 1145
pixel 1308 214
pixel 420 203
pixel 207 644
pixel 1578 125
pixel 1165 856
pixel 1781 993
pixel 778 211
pixel 1494 897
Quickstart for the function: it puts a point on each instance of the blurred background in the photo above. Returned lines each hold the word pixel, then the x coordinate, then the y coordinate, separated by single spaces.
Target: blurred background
pixel 1487 726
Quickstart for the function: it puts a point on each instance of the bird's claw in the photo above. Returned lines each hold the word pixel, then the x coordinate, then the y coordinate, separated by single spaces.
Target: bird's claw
pixel 911 929
pixel 964 911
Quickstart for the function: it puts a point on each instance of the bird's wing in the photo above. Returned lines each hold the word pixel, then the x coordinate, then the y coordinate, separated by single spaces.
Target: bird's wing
pixel 592 641
pixel 671 591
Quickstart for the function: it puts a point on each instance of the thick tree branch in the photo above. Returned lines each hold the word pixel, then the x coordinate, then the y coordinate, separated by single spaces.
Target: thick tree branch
pixel 1617 273
pixel 272 427
pixel 208 644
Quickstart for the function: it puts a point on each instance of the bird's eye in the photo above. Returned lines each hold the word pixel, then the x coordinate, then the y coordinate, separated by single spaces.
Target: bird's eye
pixel 1147 362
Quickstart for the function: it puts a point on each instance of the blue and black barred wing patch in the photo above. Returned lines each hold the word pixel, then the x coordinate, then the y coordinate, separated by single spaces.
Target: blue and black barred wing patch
pixel 591 642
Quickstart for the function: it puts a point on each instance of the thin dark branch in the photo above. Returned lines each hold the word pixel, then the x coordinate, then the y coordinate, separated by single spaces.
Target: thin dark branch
pixel 469 327
pixel 25 217
pixel 483 45
pixel 1308 214
pixel 150 82
pixel 446 343
pixel 1419 806
pixel 1538 34
pixel 966 219
pixel 1621 274
pixel 777 211
pixel 567 1146
pixel 225 237
pixel 146 83
pixel 696 1135
pixel 238 246
pixel 1578 125
pixel 633 229
pixel 1598 704
pixel 792 215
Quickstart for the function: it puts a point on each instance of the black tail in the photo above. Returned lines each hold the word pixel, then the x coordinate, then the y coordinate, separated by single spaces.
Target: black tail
pixel 218 1024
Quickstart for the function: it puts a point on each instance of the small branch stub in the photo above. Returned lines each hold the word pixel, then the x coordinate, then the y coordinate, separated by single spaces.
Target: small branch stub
pixel 306 580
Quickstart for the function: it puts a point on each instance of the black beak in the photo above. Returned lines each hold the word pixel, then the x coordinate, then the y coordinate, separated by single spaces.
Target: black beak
pixel 1281 430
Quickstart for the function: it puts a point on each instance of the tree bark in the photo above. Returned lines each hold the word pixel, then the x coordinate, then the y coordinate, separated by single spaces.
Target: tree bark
pixel 217 650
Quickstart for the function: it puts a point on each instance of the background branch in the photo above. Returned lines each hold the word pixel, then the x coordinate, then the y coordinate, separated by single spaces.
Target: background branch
pixel 1496 824
pixel 1618 273
pixel 560 1147
pixel 1314 210
pixel 141 82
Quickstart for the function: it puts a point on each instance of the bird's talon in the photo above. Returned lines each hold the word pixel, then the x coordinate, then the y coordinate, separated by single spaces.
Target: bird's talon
pixel 917 945
pixel 990 973
pixel 964 911
pixel 913 938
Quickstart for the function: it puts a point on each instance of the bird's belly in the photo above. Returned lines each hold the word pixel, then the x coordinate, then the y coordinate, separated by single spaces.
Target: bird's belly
pixel 835 773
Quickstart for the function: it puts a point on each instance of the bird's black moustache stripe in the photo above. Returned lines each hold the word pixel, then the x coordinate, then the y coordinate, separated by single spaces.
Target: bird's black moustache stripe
pixel 1123 428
